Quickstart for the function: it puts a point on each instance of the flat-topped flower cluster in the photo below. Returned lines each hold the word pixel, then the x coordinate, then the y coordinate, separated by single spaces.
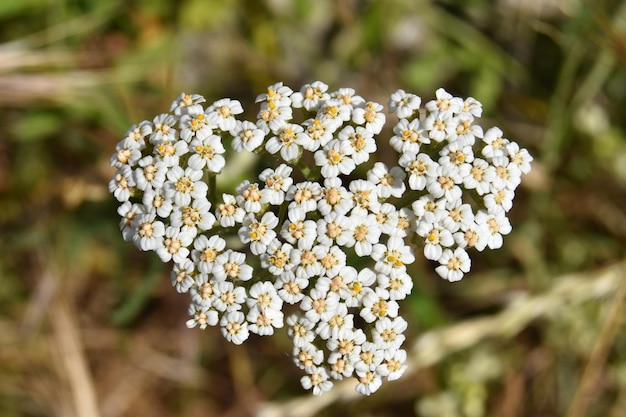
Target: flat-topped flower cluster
pixel 324 233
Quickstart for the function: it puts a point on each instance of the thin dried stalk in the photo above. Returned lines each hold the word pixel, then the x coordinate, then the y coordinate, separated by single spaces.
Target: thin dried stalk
pixel 436 345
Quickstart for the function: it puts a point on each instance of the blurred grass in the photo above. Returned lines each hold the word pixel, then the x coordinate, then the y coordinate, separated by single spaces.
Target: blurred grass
pixel 90 326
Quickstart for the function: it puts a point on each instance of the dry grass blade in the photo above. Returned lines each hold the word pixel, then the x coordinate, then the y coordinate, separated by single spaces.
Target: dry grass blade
pixel 73 360
pixel 595 366
pixel 436 345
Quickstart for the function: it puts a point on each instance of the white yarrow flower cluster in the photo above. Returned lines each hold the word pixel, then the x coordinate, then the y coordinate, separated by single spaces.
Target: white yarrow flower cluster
pixel 326 256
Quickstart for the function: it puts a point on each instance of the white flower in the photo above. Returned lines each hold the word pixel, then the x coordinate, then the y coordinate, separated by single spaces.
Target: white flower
pixel 409 135
pixel 333 322
pixel 259 233
pixel 310 96
pixel 387 218
pixel 308 261
pixel 363 234
pixel 183 185
pixel 317 133
pixel 458 156
pixel 195 124
pixel 229 213
pixel 182 276
pixel 290 287
pixel 127 152
pixel 246 135
pixel 128 211
pixel 453 264
pixel 444 184
pixel 461 129
pixel 317 303
pixel 471 106
pixel 429 210
pixel 370 115
pixel 357 286
pixel 138 133
pixel 205 252
pixel 348 96
pixel 519 157
pixel 399 285
pixel 231 265
pixel 185 101
pixel 369 382
pixel 335 159
pixel 277 182
pixel 458 215
pixel 337 281
pixel 150 173
pixel 298 231
pixel 508 174
pixel 276 259
pixel 444 102
pixel 340 366
pixel 435 238
pixel 495 144
pixel 263 296
pixel 121 184
pixel 304 196
pixel 333 113
pixel 201 317
pixel 193 218
pixel 364 196
pixel 394 256
pixel 388 182
pixel 436 125
pixel 347 342
pixel 229 297
pixel 334 198
pixel 388 333
pixel 330 227
pixel 207 152
pixel 276 93
pixel 204 291
pixel 163 129
pixel 393 365
pixel 332 261
pixel 318 380
pixel 376 305
pixel 370 356
pixel 149 231
pixel 479 177
pixel 175 243
pixel 234 327
pixel 406 219
pixel 307 356
pixel 419 167
pixel 497 224
pixel 222 113
pixel 264 322
pixel 300 330
pixel 404 104
pixel 472 235
pixel 249 197
pixel 272 117
pixel 285 142
pixel 169 152
pixel 500 198
pixel 361 140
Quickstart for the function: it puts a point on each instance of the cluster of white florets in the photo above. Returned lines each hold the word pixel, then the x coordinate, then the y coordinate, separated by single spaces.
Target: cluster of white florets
pixel 308 232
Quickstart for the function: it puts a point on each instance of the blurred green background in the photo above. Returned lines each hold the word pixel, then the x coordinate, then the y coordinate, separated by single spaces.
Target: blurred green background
pixel 89 326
